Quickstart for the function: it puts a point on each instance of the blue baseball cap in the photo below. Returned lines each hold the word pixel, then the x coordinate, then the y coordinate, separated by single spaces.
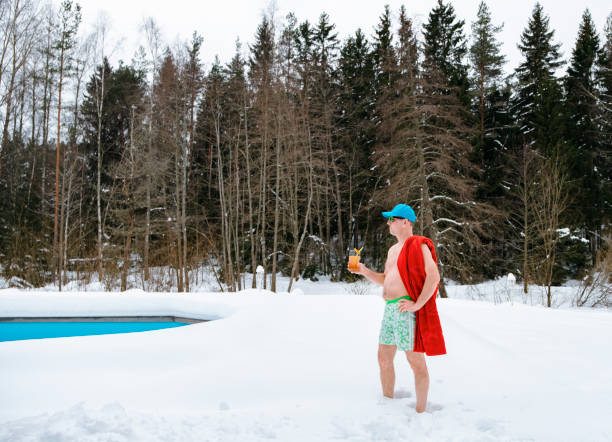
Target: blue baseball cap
pixel 401 211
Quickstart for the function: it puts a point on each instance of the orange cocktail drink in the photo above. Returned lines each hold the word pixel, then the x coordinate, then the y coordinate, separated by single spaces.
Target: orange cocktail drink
pixel 354 259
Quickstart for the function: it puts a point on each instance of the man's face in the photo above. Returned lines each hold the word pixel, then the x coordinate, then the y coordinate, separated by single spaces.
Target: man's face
pixel 395 225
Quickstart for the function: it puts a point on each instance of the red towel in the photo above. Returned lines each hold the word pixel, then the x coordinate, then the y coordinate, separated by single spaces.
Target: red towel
pixel 428 338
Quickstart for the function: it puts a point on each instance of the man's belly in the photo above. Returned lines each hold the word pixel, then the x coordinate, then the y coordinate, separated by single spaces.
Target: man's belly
pixel 393 287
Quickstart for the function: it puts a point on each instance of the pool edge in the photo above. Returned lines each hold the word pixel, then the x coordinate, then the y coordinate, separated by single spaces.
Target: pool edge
pixel 166 318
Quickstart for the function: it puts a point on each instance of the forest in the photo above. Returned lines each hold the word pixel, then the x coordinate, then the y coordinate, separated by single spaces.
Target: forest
pixel 286 156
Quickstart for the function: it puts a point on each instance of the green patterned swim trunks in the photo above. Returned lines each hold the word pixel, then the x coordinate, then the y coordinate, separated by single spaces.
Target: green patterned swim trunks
pixel 397 328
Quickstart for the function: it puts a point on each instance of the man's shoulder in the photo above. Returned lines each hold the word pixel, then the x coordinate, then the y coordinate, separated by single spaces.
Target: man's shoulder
pixel 419 243
pixel 419 240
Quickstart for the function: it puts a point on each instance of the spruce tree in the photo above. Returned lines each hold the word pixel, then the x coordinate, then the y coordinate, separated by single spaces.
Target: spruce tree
pixel 324 108
pixel 490 105
pixel 604 85
pixel 583 129
pixel 304 46
pixel 384 54
pixel 604 64
pixel 355 128
pixel 422 156
pixel 486 60
pixel 541 125
pixel 541 59
pixel 261 134
pixel 262 55
pixel 489 102
pixel 445 45
pixel 385 76
pixel 325 47
pixel 203 152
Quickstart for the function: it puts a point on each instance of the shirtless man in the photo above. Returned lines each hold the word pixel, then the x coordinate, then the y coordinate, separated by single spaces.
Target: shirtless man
pixel 398 326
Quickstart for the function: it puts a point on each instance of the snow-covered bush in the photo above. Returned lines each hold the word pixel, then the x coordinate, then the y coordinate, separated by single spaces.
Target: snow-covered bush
pixel 595 289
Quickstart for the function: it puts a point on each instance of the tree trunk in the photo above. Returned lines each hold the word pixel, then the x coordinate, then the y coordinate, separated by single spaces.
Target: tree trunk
pixel 126 253
pixel 7 115
pixel 7 34
pixel 185 159
pixel 296 254
pixel 526 235
pixel 45 124
pixel 340 250
pixel 147 237
pixel 250 196
pixel 128 240
pixel 228 265
pixel 263 199
pixel 178 224
pixel 276 209
pixel 57 164
pixel 482 94
pixel 100 107
pixel 66 213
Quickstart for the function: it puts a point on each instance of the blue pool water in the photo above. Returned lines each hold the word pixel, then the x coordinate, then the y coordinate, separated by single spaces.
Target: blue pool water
pixel 15 331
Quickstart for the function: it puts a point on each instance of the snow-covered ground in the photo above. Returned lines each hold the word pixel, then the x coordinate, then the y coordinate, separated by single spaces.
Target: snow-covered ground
pixel 498 291
pixel 303 368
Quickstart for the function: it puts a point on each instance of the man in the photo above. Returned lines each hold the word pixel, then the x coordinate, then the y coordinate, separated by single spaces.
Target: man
pixel 410 322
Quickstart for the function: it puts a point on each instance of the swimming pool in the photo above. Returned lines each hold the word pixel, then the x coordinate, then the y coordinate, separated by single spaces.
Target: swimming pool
pixel 15 329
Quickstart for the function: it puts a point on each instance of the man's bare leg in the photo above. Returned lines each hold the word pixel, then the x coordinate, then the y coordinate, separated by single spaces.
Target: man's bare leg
pixel 421 378
pixel 386 354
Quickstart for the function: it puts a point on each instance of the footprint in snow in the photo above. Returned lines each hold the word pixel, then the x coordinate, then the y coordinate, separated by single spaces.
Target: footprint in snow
pixel 487 425
pixel 430 408
pixel 402 394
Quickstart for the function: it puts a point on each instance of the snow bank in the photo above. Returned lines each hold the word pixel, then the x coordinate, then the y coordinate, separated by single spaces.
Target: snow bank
pixel 301 368
pixel 498 291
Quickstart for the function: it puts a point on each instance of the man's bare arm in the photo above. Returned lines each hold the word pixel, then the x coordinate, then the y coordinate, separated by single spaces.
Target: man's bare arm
pixel 432 277
pixel 376 278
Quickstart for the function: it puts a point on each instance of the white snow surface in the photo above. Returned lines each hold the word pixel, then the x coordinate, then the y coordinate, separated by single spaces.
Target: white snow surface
pixel 302 368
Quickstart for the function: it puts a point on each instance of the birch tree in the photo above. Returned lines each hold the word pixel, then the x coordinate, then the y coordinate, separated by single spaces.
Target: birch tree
pixel 153 38
pixel 20 27
pixel 550 201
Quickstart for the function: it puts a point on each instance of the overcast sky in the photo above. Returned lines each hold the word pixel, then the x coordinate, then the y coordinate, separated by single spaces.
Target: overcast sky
pixel 221 22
